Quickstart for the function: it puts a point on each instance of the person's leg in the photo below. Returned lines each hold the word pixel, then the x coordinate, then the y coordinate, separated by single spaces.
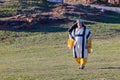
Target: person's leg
pixel 78 60
pixel 83 61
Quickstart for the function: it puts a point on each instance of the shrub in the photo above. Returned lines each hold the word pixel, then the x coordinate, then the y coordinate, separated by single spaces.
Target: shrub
pixel 7 12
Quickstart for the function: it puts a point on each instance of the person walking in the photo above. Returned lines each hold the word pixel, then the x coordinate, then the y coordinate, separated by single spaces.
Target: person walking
pixel 80 41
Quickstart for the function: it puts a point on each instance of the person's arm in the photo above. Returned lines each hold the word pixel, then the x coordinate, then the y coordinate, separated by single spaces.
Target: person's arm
pixel 72 28
pixel 71 39
pixel 71 31
pixel 71 36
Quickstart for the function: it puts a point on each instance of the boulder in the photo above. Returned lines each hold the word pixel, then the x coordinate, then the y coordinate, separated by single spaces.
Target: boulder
pixel 115 2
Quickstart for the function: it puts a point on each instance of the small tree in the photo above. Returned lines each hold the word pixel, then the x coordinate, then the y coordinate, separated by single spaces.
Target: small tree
pixel 43 2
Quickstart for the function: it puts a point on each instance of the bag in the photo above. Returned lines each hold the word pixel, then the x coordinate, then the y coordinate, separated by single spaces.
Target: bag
pixel 89 46
pixel 70 43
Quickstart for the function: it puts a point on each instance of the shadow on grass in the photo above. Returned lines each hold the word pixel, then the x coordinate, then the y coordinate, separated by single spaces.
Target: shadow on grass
pixel 49 26
pixel 104 18
pixel 45 28
pixel 116 30
pixel 10 35
pixel 56 27
pixel 110 17
pixel 110 68
pixel 52 27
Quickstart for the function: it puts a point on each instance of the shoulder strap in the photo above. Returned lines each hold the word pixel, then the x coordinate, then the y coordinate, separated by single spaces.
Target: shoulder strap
pixel 84 31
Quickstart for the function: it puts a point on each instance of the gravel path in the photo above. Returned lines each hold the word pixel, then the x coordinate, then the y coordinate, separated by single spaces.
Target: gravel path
pixel 115 9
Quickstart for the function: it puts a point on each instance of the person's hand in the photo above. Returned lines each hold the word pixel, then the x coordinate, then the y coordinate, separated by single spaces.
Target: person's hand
pixel 75 42
pixel 90 51
pixel 70 48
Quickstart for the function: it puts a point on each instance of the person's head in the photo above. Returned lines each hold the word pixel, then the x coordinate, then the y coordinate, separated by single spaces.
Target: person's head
pixel 80 23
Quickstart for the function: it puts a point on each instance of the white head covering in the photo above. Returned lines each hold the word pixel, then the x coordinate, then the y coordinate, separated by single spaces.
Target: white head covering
pixel 80 21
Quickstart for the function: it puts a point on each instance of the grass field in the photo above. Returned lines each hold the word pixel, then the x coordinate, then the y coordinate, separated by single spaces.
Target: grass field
pixel 42 54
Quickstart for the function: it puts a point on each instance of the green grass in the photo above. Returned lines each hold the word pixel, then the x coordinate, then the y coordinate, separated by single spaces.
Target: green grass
pixel 42 54
pixel 14 7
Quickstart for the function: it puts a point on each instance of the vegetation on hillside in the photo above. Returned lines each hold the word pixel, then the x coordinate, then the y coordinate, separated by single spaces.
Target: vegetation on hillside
pixel 13 7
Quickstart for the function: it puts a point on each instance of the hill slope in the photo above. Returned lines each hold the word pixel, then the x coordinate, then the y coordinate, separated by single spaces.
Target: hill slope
pixel 41 53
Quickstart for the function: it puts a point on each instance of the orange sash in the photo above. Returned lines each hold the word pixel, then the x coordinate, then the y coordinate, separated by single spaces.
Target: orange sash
pixel 70 43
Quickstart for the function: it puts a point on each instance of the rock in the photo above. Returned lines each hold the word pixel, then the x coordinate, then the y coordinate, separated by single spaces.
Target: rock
pixel 29 20
pixel 115 2
pixel 16 17
pixel 34 15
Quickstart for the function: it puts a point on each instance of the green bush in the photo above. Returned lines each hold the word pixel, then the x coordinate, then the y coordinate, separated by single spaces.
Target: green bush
pixel 11 8
pixel 7 12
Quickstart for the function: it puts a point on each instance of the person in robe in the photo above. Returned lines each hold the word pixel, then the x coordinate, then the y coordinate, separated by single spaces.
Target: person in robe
pixel 80 42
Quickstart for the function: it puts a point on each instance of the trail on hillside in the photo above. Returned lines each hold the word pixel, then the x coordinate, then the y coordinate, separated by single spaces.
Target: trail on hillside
pixel 114 9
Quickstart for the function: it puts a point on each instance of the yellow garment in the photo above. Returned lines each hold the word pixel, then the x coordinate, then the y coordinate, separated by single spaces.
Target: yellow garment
pixel 89 45
pixel 70 43
pixel 81 61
